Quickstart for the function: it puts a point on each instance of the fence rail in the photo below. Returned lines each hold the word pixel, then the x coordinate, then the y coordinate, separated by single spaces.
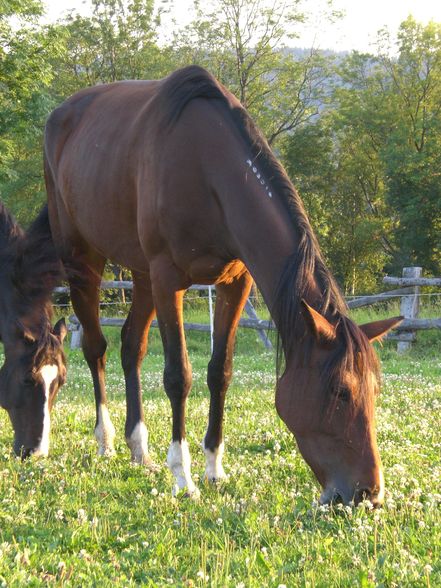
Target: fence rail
pixel 408 291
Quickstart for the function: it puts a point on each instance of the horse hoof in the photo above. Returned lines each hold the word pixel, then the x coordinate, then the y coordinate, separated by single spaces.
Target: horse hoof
pixel 192 493
pixel 106 451
pixel 147 462
pixel 215 479
pixel 141 459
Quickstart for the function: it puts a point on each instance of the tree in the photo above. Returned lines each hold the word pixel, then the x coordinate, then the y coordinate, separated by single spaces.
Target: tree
pixel 330 177
pixel 25 76
pixel 119 41
pixel 243 43
pixel 412 153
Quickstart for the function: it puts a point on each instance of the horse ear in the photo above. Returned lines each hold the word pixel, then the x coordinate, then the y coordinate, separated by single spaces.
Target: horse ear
pixel 319 326
pixel 376 330
pixel 9 230
pixel 25 331
pixel 60 330
pixel 28 335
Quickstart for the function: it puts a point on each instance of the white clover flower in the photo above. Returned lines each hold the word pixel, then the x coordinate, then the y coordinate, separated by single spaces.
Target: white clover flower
pixel 203 576
pixel 59 515
pixel 83 554
pixel 154 492
pixel 428 569
pixel 82 516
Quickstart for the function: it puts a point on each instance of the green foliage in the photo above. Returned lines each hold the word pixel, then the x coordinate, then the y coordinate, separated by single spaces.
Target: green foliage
pixel 413 152
pixel 25 79
pixel 359 134
pixel 243 43
pixel 119 41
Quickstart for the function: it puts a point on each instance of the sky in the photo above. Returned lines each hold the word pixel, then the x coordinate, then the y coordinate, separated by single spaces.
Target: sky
pixel 357 30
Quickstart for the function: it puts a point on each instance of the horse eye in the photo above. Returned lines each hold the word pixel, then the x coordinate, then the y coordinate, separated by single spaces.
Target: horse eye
pixel 343 394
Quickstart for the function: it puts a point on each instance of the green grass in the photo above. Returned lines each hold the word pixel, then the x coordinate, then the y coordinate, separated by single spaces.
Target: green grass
pixel 78 520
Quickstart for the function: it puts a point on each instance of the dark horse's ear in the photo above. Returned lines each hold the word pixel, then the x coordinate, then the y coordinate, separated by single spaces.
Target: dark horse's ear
pixel 9 230
pixel 376 330
pixel 60 330
pixel 319 326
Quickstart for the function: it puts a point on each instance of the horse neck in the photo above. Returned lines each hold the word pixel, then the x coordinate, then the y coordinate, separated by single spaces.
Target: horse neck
pixel 264 234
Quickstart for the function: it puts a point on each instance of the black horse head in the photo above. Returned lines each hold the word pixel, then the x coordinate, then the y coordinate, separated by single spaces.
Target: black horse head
pixel 35 365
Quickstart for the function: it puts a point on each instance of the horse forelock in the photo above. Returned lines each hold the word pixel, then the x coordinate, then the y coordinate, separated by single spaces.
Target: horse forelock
pixel 36 268
pixel 353 355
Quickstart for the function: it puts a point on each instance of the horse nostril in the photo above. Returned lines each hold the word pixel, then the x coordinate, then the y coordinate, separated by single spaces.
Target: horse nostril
pixel 337 499
pixel 361 495
pixel 366 494
pixel 25 453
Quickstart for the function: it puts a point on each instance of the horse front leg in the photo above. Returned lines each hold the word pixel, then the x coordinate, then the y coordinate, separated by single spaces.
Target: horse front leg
pixel 230 300
pixel 85 296
pixel 169 287
pixel 134 336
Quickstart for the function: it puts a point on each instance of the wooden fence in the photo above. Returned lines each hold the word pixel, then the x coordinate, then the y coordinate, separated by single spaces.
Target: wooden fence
pixel 410 284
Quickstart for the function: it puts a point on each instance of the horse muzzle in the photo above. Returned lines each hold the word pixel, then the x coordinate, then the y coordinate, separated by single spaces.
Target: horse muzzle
pixel 334 494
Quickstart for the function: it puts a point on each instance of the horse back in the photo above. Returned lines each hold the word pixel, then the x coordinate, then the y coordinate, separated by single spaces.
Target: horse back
pixel 132 174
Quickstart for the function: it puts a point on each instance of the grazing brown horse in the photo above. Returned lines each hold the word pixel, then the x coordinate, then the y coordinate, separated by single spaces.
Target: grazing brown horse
pixel 171 179
pixel 34 367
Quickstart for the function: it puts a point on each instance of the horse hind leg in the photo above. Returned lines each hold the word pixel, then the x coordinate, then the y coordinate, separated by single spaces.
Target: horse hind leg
pixel 134 337
pixel 230 300
pixel 85 282
pixel 169 286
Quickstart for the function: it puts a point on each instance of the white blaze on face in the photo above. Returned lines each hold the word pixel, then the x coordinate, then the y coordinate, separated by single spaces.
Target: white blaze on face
pixel 48 373
pixel 179 462
pixel 213 468
pixel 104 432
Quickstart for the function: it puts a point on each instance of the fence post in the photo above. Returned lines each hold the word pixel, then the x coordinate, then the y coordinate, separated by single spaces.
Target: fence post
pixel 77 337
pixel 410 304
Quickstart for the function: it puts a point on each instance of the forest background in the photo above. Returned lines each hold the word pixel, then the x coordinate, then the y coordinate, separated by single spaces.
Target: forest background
pixel 359 133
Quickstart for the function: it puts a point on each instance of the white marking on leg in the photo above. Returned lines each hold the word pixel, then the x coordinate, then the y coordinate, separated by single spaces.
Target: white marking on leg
pixel 104 432
pixel 138 444
pixel 179 462
pixel 48 373
pixel 213 469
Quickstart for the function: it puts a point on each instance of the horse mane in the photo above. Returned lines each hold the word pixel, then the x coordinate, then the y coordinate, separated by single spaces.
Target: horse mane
pixel 31 269
pixel 37 268
pixel 305 265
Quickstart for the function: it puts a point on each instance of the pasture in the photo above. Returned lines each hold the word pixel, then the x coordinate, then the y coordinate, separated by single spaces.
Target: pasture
pixel 75 519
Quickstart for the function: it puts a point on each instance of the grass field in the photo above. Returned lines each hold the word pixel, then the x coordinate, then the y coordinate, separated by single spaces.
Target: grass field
pixel 78 520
